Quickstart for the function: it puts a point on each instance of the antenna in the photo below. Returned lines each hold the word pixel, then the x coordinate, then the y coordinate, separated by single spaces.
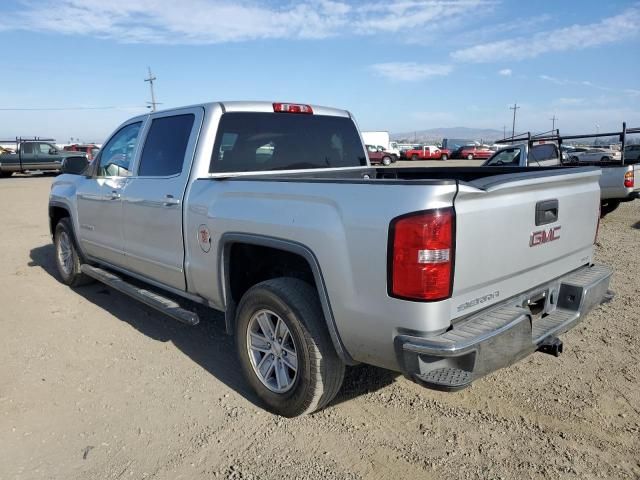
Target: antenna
pixel 513 128
pixel 152 103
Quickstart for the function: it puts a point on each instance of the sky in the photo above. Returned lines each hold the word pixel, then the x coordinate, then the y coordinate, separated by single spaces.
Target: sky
pixel 76 68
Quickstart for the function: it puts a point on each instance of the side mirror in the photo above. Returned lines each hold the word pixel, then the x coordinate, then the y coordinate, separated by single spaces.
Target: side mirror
pixel 74 165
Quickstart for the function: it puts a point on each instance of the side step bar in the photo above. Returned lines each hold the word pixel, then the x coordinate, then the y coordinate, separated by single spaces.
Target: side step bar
pixel 149 298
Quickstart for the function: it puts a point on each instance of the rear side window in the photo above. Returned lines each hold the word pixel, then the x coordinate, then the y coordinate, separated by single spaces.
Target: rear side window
pixel 27 148
pixel 250 142
pixel 546 151
pixel 166 145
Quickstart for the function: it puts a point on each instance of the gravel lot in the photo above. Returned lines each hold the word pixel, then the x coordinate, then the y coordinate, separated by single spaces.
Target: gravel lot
pixel 94 385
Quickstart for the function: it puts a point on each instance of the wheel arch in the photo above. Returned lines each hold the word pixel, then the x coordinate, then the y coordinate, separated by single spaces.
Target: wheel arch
pixel 289 248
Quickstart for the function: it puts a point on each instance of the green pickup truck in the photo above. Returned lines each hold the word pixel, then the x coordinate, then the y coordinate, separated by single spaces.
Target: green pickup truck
pixel 34 155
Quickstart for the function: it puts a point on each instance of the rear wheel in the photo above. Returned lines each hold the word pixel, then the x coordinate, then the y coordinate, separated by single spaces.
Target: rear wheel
pixel 444 157
pixel 605 159
pixel 284 347
pixel 414 157
pixel 67 256
pixel 608 206
pixel 5 174
pixel 470 156
pixel 386 161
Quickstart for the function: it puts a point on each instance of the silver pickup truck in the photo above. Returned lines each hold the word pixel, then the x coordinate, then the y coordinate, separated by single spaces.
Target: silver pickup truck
pixel 271 213
pixel 617 182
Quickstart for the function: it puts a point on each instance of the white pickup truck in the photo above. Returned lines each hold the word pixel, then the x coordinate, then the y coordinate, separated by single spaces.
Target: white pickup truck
pixel 271 213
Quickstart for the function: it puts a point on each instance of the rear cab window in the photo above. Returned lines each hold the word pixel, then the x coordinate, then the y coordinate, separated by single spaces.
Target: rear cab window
pixel 256 141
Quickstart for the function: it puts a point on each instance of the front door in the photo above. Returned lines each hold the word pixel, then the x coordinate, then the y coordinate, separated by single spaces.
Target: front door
pixel 99 197
pixel 47 156
pixel 153 196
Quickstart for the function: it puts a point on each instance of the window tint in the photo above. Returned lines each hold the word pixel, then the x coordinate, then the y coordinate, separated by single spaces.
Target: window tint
pixel 249 141
pixel 166 144
pixel 546 151
pixel 27 148
pixel 116 156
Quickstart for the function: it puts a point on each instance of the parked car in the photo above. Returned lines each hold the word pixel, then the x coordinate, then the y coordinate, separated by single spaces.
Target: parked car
pixel 319 260
pixel 617 181
pixel 378 155
pixel 594 155
pixel 427 152
pixel 632 153
pixel 473 152
pixel 381 138
pixel 90 149
pixel 34 155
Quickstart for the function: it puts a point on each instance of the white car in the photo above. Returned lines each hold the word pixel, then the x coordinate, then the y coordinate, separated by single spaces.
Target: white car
pixel 594 155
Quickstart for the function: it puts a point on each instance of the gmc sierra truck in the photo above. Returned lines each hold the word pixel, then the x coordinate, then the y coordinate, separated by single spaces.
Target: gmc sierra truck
pixel 617 181
pixel 272 214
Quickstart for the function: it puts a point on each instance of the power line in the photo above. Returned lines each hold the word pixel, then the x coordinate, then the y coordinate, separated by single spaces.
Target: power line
pixel 42 109
pixel 513 128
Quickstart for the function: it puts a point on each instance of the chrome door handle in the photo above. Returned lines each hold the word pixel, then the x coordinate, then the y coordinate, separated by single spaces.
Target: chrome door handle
pixel 169 201
pixel 115 195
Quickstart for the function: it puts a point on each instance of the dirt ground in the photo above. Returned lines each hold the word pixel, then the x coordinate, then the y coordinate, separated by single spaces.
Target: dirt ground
pixel 95 386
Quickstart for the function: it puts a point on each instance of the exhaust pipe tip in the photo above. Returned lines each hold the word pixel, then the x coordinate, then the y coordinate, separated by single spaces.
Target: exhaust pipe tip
pixel 551 346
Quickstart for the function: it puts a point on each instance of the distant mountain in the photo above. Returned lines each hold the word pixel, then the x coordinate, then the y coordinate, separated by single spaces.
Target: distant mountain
pixel 437 134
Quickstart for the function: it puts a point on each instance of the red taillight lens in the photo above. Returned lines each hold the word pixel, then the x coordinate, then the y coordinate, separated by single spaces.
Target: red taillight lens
pixel 421 255
pixel 629 179
pixel 292 108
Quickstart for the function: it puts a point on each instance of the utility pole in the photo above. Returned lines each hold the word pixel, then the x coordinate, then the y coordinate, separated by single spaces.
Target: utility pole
pixel 152 103
pixel 504 131
pixel 513 128
pixel 553 120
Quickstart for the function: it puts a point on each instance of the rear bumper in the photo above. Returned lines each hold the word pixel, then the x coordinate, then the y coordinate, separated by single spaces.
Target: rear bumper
pixel 502 334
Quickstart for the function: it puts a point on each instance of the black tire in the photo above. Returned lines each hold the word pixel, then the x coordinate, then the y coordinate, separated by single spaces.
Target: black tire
pixel 444 157
pixel 386 161
pixel 573 159
pixel 320 370
pixel 414 157
pixel 5 174
pixel 470 156
pixel 605 159
pixel 70 275
pixel 608 206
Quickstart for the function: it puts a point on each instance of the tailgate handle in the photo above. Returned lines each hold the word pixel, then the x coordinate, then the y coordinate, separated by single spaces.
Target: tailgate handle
pixel 546 212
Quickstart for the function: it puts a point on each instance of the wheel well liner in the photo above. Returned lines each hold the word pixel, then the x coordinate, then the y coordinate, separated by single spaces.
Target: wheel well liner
pixel 268 257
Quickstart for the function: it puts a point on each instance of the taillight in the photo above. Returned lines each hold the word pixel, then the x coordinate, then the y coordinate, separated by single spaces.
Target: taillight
pixel 421 255
pixel 292 108
pixel 628 179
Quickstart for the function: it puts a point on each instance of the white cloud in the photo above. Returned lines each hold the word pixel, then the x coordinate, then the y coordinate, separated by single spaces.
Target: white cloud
pixel 219 21
pixel 505 72
pixel 631 92
pixel 575 37
pixel 569 101
pixel 410 71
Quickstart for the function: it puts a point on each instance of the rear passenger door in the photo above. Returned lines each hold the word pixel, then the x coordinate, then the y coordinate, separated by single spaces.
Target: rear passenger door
pixel 152 198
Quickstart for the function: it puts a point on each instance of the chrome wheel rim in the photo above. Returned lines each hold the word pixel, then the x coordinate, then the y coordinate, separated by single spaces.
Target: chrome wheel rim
pixel 272 351
pixel 65 253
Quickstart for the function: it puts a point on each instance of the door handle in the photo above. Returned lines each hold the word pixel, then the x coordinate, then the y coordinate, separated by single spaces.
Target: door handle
pixel 115 195
pixel 169 201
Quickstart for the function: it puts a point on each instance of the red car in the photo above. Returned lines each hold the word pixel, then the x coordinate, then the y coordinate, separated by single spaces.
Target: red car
pixel 378 155
pixel 90 149
pixel 474 152
pixel 427 153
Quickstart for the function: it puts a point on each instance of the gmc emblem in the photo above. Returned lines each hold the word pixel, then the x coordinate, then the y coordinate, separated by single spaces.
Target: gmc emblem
pixel 544 236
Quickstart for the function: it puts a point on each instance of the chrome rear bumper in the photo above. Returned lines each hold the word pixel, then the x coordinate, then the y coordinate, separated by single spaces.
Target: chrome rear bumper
pixel 503 334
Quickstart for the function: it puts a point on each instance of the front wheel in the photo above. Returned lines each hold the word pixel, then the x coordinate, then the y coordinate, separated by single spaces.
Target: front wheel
pixel 67 256
pixel 444 157
pixel 414 157
pixel 470 156
pixel 285 350
pixel 386 161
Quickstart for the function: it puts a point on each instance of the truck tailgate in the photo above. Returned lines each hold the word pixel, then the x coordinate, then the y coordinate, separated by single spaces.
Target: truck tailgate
pixel 500 250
